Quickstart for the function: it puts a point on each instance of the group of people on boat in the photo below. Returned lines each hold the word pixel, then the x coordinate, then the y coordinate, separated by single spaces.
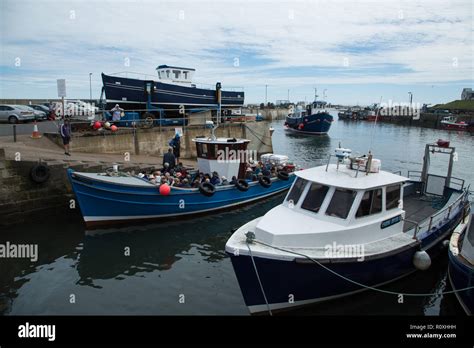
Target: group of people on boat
pixel 180 176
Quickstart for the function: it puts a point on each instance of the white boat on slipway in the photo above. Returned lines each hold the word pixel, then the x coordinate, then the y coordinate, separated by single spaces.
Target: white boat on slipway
pixel 344 228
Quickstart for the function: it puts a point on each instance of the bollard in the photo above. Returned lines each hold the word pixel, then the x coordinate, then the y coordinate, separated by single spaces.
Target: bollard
pixel 14 133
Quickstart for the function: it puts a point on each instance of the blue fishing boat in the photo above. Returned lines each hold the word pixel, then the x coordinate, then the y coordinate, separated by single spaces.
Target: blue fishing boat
pixel 344 228
pixel 115 197
pixel 461 263
pixel 312 120
pixel 171 89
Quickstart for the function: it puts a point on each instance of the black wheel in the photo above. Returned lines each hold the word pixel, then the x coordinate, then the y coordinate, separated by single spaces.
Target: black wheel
pixel 148 120
pixel 242 185
pixel 207 189
pixel 12 120
pixel 40 173
pixel 265 181
pixel 283 175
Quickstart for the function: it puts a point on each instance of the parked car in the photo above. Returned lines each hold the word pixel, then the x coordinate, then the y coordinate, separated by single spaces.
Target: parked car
pixel 16 113
pixel 43 108
pixel 39 114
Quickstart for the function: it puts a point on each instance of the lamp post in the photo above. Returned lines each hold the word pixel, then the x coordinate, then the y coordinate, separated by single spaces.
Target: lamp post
pixel 410 97
pixel 266 101
pixel 90 87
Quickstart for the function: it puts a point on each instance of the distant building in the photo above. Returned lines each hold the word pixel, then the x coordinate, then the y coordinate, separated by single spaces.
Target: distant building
pixel 467 94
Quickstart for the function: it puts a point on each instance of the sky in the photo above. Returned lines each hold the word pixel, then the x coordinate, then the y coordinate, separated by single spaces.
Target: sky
pixel 353 52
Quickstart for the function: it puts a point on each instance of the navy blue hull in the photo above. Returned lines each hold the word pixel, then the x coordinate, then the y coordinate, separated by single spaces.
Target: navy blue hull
pixel 461 275
pixel 308 282
pixel 319 123
pixel 130 94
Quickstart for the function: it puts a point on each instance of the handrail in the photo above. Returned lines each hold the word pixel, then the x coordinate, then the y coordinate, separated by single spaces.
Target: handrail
pixel 417 226
pixel 423 224
pixel 448 208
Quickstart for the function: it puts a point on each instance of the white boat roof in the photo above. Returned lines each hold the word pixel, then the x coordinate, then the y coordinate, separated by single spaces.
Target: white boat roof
pixel 221 140
pixel 345 177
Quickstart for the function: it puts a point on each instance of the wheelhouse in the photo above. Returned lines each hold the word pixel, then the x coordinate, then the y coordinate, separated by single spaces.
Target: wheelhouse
pixel 346 201
pixel 175 74
pixel 227 156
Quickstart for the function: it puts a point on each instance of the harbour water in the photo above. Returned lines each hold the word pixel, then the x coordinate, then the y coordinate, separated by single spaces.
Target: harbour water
pixel 180 268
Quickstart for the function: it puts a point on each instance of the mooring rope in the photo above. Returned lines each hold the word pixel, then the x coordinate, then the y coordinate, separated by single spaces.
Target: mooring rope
pixel 256 135
pixel 259 281
pixel 353 281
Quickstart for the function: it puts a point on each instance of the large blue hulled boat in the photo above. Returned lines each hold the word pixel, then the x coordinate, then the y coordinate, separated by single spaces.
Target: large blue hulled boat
pixel 312 120
pixel 461 263
pixel 173 89
pixel 345 228
pixel 114 197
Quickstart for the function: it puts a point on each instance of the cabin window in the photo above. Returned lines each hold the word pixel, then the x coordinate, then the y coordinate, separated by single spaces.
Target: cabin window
pixel 204 151
pixel 185 73
pixel 371 203
pixel 392 196
pixel 199 149
pixel 159 75
pixel 315 197
pixel 167 73
pixel 177 74
pixel 341 203
pixel 296 190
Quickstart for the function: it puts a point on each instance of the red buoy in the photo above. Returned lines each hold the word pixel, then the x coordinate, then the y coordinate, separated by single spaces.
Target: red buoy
pixel 97 125
pixel 113 128
pixel 165 189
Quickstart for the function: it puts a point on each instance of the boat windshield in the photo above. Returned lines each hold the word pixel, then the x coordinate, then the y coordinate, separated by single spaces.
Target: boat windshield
pixel 341 203
pixel 296 191
pixel 315 197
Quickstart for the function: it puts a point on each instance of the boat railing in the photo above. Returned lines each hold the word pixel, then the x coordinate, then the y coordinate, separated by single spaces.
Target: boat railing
pixel 444 214
pixel 454 183
pixel 414 175
pixel 457 182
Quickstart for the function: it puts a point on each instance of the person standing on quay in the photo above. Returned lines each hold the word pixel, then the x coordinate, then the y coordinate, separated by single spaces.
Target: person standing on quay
pixel 65 131
pixel 175 143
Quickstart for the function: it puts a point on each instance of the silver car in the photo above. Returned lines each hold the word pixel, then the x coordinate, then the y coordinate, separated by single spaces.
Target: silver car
pixel 16 113
pixel 40 115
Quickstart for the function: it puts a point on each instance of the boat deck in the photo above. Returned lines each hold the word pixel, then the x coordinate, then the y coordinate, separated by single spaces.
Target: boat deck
pixel 419 208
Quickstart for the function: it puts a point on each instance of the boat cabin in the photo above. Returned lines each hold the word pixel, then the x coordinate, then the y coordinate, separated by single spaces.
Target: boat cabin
pixel 355 202
pixel 174 74
pixel 311 109
pixel 226 156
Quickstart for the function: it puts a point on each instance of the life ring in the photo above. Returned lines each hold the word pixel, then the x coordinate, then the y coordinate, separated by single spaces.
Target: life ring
pixel 242 185
pixel 283 175
pixel 301 126
pixel 207 189
pixel 265 181
pixel 40 173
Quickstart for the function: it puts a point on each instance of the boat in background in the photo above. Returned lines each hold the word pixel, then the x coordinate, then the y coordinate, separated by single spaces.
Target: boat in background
pixel 450 123
pixel 116 197
pixel 312 120
pixel 174 89
pixel 461 263
pixel 344 228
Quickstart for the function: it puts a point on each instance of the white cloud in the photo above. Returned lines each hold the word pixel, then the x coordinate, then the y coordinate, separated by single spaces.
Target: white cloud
pixel 72 38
